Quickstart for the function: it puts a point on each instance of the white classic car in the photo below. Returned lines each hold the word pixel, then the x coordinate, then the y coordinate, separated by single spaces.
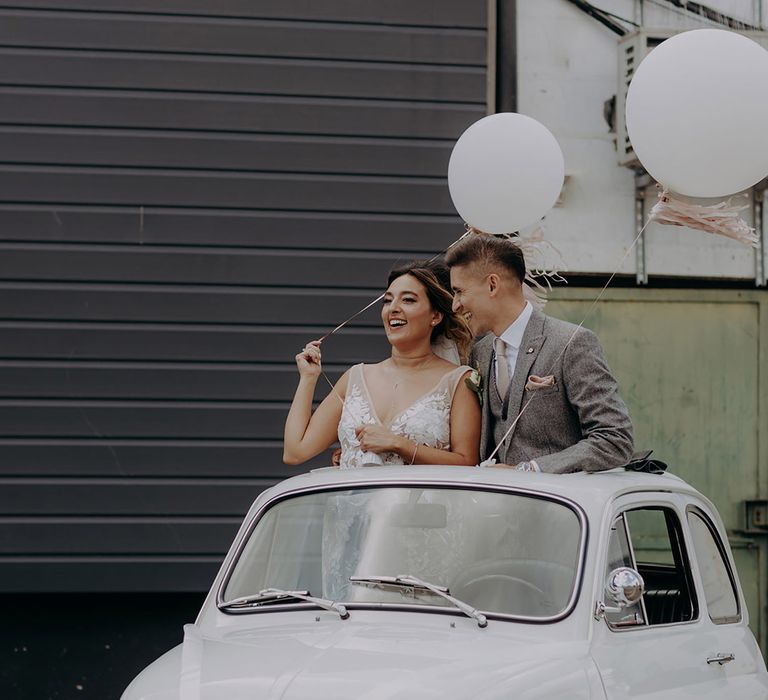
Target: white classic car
pixel 457 582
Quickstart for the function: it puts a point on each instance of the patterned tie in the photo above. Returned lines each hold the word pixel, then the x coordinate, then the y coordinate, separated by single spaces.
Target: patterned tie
pixel 502 368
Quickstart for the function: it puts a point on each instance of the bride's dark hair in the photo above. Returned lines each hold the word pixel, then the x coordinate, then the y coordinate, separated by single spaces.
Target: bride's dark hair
pixel 436 279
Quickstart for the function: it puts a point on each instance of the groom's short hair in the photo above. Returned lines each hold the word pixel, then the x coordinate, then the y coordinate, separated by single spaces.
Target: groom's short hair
pixel 489 252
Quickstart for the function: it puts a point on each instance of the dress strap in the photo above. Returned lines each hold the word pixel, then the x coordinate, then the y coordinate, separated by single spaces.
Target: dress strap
pixel 355 374
pixel 454 377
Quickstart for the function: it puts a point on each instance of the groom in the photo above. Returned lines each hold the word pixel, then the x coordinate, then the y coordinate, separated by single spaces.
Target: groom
pixel 573 418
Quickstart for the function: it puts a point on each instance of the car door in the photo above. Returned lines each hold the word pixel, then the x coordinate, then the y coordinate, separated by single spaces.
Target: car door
pixel 659 648
pixel 735 653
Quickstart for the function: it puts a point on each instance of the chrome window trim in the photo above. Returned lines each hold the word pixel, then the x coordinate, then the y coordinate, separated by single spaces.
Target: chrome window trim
pixel 733 619
pixel 633 561
pixel 638 629
pixel 419 483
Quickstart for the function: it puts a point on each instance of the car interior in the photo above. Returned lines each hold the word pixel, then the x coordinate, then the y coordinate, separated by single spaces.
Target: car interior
pixel 661 559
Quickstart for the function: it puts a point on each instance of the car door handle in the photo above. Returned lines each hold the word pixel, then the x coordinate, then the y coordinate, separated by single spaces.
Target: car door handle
pixel 720 658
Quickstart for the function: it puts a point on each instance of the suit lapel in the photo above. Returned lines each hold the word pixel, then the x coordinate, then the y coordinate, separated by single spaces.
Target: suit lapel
pixel 533 339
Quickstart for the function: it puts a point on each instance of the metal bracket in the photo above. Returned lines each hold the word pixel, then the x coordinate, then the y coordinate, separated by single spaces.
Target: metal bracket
pixel 756 516
pixel 601 609
pixel 760 222
pixel 642 180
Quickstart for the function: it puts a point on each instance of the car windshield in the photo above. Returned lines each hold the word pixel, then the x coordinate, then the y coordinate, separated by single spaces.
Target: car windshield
pixel 501 552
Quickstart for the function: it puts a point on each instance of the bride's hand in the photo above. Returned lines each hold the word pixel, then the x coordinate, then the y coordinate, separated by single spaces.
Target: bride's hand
pixel 308 360
pixel 374 438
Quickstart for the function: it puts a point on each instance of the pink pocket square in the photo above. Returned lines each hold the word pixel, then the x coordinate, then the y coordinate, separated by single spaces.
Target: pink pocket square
pixel 535 382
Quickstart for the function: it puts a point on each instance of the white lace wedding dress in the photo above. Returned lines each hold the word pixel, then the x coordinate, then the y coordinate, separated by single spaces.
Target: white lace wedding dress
pixel 426 421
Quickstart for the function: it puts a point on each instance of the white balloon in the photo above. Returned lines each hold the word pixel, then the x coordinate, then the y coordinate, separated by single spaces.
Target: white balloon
pixel 506 171
pixel 697 110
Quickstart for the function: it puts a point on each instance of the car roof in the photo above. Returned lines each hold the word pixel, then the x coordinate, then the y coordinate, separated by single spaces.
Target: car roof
pixel 589 489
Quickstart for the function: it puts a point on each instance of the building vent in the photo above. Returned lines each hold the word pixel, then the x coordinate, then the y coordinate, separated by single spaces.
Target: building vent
pixel 633 48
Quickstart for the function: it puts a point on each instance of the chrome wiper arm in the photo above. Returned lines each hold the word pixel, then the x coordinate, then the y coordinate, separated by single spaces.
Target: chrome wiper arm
pixel 394 581
pixel 272 594
pixel 408 581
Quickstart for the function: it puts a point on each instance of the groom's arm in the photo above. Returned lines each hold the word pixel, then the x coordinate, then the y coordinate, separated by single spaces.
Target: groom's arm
pixel 593 394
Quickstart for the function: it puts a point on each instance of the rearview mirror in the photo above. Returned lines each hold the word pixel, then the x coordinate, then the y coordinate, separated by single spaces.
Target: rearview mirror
pixel 426 515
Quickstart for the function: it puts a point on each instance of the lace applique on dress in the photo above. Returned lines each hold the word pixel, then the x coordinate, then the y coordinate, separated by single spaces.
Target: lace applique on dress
pixel 356 412
pixel 426 421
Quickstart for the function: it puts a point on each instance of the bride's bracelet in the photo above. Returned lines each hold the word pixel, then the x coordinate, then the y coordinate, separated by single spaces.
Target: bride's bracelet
pixel 415 450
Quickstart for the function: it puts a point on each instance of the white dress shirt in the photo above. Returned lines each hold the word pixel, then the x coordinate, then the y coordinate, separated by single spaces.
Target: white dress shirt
pixel 513 338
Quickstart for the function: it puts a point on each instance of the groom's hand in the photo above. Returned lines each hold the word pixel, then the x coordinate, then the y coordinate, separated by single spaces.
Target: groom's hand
pixel 521 467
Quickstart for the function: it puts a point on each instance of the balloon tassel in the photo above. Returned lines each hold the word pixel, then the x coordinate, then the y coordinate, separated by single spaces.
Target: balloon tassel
pixel 722 219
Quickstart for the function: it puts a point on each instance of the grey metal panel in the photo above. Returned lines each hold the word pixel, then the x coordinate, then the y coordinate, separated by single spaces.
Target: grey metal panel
pixel 141 419
pixel 158 380
pixel 195 189
pixel 243 37
pixel 101 574
pixel 106 497
pixel 432 13
pixel 156 458
pixel 220 189
pixel 234 75
pixel 195 265
pixel 117 535
pixel 250 152
pixel 178 342
pixel 183 304
pixel 138 109
pixel 264 229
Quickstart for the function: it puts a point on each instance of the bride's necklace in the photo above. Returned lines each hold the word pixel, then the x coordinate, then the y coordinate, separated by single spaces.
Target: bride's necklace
pixel 397 380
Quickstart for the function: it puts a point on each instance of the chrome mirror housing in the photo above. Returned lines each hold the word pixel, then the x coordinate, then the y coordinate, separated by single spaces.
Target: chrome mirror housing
pixel 624 587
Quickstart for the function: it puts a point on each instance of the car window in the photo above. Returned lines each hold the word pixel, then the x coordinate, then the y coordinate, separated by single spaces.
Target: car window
pixel 498 551
pixel 716 577
pixel 657 548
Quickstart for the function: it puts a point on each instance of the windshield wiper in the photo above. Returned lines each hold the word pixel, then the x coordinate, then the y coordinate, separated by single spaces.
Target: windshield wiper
pixel 271 595
pixel 411 582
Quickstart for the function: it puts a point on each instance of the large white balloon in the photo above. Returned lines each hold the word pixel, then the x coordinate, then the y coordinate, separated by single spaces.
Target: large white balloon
pixel 506 171
pixel 697 110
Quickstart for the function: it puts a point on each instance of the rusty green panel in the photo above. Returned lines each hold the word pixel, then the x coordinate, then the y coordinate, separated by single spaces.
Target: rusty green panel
pixel 688 366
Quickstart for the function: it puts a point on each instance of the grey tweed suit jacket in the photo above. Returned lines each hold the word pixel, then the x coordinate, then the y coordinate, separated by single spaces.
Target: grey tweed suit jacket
pixel 580 423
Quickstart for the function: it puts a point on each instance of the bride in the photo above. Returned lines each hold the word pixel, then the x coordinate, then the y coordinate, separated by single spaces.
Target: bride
pixel 412 408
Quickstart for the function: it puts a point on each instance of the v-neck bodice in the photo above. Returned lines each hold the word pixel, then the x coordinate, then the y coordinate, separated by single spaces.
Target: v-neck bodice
pixel 426 420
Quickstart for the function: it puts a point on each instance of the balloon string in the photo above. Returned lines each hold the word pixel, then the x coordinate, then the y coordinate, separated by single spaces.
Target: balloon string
pixel 573 335
pixel 353 316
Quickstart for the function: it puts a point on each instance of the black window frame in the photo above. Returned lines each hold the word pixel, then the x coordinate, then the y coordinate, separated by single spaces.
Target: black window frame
pixel 681 559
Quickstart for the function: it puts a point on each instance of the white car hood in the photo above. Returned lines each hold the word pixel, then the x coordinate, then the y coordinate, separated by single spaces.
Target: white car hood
pixel 303 660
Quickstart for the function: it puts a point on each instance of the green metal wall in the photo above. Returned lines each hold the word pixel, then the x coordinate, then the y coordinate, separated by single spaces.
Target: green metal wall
pixel 688 363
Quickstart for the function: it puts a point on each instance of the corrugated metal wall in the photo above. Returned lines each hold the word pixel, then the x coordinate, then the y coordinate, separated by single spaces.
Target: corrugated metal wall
pixel 189 190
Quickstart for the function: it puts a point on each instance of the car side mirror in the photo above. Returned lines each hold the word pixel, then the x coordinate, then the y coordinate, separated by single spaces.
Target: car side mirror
pixel 624 588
